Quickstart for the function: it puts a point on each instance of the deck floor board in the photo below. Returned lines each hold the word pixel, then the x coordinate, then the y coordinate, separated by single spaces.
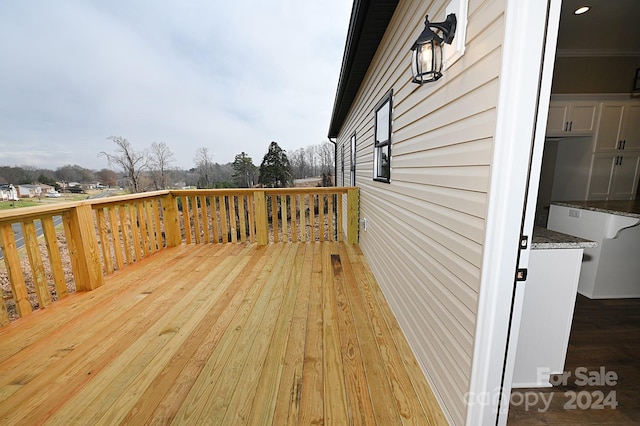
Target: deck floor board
pixel 289 333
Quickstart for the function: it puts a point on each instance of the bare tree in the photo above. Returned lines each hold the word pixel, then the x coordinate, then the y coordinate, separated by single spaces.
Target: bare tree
pixel 204 168
pixel 132 163
pixel 299 164
pixel 160 158
pixel 107 177
pixel 312 159
pixel 327 154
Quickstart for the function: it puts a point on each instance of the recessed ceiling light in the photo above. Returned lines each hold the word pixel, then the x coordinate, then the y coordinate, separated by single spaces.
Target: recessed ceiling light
pixel 581 10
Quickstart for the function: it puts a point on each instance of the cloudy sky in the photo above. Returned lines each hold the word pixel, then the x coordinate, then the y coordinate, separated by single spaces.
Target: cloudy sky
pixel 230 76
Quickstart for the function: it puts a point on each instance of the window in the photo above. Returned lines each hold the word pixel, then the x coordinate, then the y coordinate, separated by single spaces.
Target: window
pixel 342 168
pixel 352 163
pixel 382 141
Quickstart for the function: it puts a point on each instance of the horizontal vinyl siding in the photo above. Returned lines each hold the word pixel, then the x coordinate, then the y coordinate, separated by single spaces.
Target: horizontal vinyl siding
pixel 426 228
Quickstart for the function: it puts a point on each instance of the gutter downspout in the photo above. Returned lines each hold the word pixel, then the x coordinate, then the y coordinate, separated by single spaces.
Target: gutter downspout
pixel 335 161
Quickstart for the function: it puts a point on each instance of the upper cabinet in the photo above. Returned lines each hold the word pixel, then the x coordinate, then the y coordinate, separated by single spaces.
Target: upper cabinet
pixel 572 118
pixel 631 127
pixel 615 168
pixel 619 127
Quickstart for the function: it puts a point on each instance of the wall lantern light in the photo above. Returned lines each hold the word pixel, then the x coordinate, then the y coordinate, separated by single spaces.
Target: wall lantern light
pixel 426 58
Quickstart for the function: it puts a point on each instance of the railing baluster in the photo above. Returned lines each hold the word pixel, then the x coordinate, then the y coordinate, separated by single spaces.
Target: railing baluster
pixel 196 219
pixel 233 219
pixel 4 314
pixel 205 218
pixel 142 224
pixel 312 217
pixel 55 260
pixel 274 218
pixel 339 217
pixel 224 227
pixel 116 237
pixel 284 213
pixel 294 219
pixel 186 216
pixel 331 216
pixel 125 228
pixel 243 218
pixel 135 230
pixel 35 261
pixel 303 218
pixel 321 216
pixel 252 218
pixel 215 202
pixel 155 230
pixel 104 241
pixel 150 226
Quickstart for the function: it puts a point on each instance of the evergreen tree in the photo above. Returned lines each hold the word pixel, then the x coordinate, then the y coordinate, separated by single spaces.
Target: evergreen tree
pixel 244 171
pixel 275 170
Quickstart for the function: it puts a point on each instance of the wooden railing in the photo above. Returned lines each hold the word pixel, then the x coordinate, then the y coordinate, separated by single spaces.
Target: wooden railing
pixel 101 236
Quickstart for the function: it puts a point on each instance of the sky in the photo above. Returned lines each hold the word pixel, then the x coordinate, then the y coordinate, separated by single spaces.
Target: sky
pixel 231 76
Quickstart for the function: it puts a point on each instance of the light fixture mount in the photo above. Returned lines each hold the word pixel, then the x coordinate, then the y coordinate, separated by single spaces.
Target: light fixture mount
pixel 426 58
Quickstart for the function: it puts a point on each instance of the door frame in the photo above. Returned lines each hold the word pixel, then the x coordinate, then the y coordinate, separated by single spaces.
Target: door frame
pixel 529 44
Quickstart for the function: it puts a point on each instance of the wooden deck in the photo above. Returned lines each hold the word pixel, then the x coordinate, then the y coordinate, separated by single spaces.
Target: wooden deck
pixel 289 333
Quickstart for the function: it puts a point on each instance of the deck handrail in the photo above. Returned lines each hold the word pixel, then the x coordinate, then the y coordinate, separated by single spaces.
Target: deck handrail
pixel 104 235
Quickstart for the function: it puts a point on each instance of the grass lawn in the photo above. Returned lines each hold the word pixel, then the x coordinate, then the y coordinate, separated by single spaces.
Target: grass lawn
pixel 7 205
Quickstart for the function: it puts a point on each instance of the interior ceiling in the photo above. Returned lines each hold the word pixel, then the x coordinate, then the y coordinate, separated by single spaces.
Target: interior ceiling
pixel 610 25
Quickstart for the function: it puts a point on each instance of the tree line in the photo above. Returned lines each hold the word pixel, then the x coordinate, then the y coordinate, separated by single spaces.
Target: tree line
pixel 152 168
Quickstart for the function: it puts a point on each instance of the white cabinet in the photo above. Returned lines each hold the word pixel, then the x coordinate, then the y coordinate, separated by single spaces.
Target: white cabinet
pixel 609 135
pixel 615 167
pixel 619 127
pixel 572 118
pixel 614 176
pixel 547 314
pixel 630 134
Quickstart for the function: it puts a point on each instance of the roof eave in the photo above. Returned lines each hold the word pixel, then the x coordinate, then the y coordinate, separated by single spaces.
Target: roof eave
pixel 368 23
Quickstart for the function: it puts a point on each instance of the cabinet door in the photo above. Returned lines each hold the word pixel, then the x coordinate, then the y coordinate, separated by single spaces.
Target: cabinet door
pixel 558 118
pixel 582 117
pixel 631 127
pixel 608 137
pixel 625 177
pixel 601 173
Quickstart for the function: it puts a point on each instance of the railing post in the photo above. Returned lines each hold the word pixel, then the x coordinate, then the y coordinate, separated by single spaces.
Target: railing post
pixel 83 247
pixel 262 228
pixel 353 215
pixel 170 219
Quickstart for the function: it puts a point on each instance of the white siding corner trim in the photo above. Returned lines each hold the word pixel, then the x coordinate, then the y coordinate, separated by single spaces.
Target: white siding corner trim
pixel 523 49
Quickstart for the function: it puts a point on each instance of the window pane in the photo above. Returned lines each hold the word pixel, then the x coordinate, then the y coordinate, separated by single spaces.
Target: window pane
pixel 352 168
pixel 383 163
pixel 382 124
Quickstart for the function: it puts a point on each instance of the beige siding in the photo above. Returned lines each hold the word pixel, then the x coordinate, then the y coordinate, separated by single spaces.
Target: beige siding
pixel 427 227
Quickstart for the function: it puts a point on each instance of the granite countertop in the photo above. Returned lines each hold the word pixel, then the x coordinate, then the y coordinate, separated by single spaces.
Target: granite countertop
pixel 545 239
pixel 617 207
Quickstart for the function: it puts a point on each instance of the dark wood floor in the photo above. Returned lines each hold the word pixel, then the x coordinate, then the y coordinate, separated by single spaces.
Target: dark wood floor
pixel 605 337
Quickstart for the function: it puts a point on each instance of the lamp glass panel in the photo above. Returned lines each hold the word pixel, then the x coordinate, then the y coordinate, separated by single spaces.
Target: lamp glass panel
pixel 426 63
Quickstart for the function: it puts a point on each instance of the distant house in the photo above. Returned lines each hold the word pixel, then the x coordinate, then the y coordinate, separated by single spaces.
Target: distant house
pixel 8 192
pixel 33 190
pixel 28 191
